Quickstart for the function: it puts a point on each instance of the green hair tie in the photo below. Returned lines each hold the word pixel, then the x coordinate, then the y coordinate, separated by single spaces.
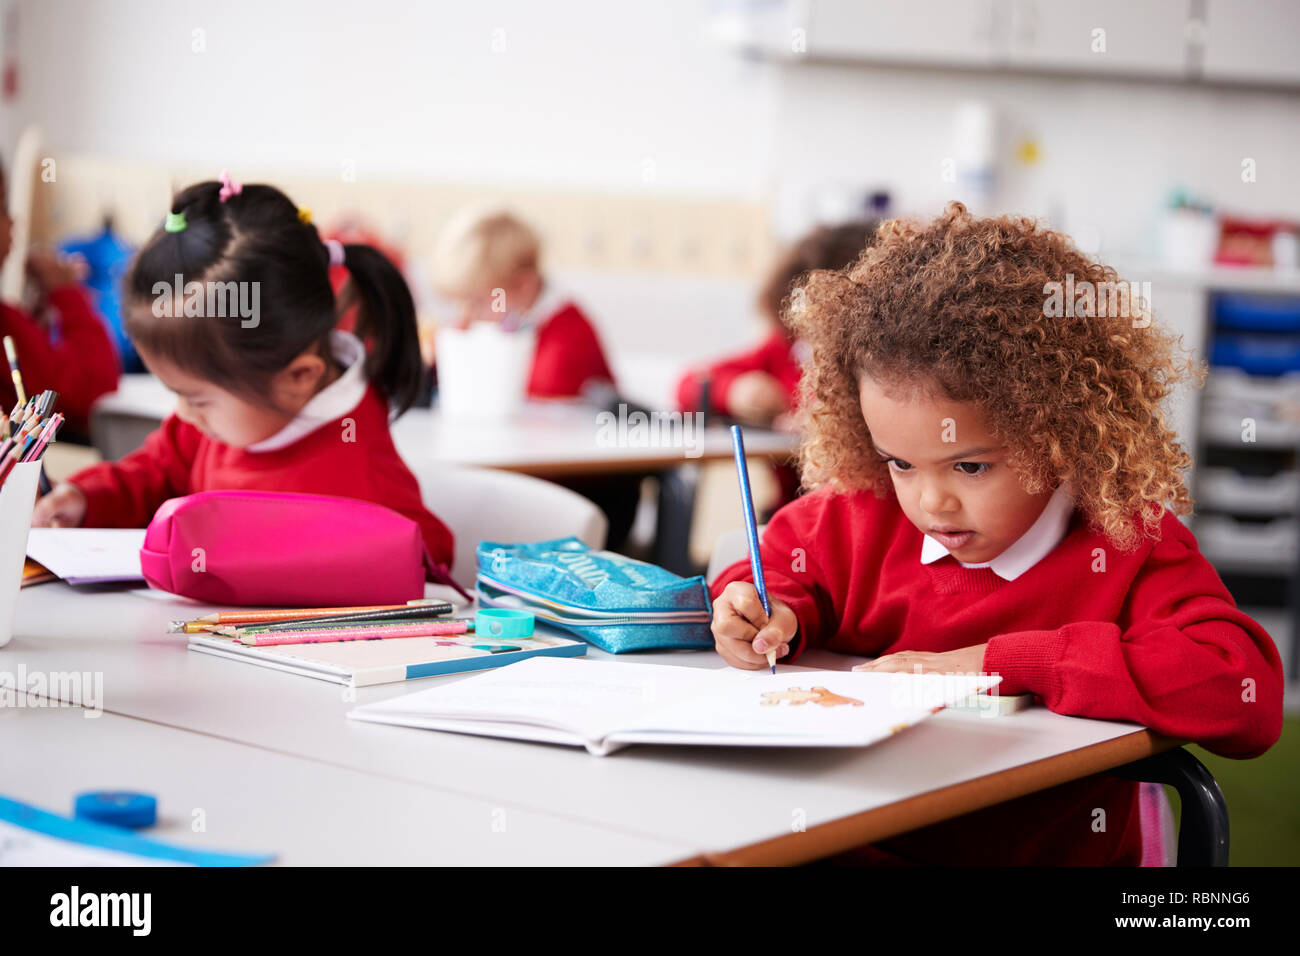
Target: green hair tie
pixel 175 222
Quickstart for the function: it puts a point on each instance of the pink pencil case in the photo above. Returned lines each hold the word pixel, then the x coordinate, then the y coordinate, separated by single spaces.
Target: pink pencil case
pixel 269 549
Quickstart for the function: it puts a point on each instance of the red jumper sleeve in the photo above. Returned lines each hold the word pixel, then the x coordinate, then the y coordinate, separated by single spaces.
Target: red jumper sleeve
pixel 80 365
pixel 1182 660
pixel 790 543
pixel 771 356
pixel 126 493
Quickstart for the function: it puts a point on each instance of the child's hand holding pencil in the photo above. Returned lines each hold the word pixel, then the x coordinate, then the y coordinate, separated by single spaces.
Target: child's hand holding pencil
pixel 743 633
pixel 755 628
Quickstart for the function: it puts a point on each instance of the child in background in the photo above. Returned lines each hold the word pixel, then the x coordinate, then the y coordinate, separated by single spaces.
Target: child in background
pixel 488 263
pixel 994 487
pixel 67 348
pixel 272 397
pixel 758 387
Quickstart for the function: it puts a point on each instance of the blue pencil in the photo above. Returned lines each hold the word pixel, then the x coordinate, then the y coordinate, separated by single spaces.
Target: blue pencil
pixel 751 529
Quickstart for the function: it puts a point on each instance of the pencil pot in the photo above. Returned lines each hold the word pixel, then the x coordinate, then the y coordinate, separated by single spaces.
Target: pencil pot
pixel 483 372
pixel 17 496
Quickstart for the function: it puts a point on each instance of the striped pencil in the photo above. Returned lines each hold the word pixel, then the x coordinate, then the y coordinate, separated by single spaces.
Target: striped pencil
pixel 46 436
pixel 392 615
pixel 331 634
pixel 320 624
pixel 269 615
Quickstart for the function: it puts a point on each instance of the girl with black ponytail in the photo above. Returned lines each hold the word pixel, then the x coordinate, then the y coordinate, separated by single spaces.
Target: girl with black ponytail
pixel 230 305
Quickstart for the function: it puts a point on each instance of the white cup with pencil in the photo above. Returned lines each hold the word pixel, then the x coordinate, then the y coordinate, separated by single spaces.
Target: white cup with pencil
pixel 24 435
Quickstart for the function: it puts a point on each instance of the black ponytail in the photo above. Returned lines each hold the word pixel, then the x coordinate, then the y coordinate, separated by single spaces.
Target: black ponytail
pixel 386 322
pixel 258 239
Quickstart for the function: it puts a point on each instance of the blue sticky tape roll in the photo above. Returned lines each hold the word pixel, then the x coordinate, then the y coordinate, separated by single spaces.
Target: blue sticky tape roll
pixel 117 807
pixel 504 622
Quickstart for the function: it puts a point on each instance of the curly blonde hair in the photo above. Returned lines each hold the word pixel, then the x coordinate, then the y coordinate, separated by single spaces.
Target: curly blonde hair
pixel 957 308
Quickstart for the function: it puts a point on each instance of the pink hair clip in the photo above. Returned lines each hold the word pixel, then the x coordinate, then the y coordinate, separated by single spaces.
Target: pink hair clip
pixel 229 187
pixel 335 249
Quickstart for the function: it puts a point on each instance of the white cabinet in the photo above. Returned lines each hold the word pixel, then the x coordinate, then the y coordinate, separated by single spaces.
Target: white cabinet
pixel 921 31
pixel 1104 36
pixel 1257 41
pixel 1225 41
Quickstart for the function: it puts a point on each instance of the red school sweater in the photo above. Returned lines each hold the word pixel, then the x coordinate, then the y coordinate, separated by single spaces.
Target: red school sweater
pixel 567 356
pixel 178 459
pixel 774 355
pixel 1153 638
pixel 78 360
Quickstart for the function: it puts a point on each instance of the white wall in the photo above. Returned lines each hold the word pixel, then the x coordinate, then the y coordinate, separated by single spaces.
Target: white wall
pixel 586 94
pixel 1110 150
pixel 617 96
pixel 589 93
pixel 621 96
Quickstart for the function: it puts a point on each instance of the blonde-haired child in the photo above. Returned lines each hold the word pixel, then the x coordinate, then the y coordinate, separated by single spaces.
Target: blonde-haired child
pixel 489 262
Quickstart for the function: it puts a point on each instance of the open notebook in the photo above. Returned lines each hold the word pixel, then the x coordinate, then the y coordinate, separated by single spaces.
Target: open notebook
pixel 88 555
pixel 607 705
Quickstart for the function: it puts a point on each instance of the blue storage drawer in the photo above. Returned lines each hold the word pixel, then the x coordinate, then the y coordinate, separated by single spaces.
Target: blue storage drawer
pixel 1257 354
pixel 1256 313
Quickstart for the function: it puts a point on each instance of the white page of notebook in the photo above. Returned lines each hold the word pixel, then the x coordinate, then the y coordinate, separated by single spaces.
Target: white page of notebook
pixel 20 846
pixel 110 554
pixel 825 706
pixel 590 699
pixel 626 702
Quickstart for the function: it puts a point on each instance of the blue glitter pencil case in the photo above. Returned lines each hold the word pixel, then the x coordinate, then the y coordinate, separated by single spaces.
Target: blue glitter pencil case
pixel 617 603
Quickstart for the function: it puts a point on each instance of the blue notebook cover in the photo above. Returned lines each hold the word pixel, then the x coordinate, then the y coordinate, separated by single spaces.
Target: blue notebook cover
pixel 364 663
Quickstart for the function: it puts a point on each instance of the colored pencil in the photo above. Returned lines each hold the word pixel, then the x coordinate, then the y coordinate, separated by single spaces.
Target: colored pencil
pixel 28 431
pixel 267 615
pixel 416 613
pixel 12 355
pixel 330 635
pixel 46 436
pixel 228 630
pixel 751 529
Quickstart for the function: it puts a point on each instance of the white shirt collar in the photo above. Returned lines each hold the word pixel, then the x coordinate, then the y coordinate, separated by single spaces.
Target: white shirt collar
pixel 332 402
pixel 1030 548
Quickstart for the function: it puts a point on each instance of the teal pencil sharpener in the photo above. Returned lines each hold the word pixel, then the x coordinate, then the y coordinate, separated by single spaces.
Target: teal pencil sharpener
pixel 504 622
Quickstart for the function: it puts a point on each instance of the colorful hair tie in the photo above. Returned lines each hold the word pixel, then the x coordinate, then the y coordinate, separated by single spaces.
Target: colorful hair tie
pixel 175 222
pixel 336 251
pixel 304 215
pixel 229 187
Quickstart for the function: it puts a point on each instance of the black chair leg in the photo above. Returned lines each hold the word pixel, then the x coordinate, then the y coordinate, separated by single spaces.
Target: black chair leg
pixel 1203 829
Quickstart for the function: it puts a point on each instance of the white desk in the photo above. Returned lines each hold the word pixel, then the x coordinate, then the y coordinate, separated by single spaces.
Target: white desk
pixel 707 801
pixel 307 812
pixel 546 438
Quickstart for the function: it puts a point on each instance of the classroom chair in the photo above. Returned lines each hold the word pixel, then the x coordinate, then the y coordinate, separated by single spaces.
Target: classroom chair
pixel 730 547
pixel 1203 832
pixel 484 504
pixel 116 433
pixel 1202 839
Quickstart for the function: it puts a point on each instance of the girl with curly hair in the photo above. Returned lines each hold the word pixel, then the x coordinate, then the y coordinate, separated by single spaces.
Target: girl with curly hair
pixel 995 491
